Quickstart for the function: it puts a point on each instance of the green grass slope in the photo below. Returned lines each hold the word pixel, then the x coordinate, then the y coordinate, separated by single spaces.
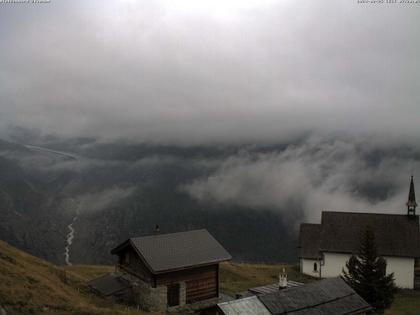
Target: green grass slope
pixel 29 285
pixel 239 277
pixel 407 302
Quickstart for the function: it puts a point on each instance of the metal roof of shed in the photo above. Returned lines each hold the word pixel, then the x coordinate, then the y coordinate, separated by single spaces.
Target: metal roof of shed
pixel 270 288
pixel 109 284
pixel 326 297
pixel 246 306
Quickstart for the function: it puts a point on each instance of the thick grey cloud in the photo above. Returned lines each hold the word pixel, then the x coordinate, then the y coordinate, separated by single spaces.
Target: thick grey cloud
pixel 210 70
pixel 317 175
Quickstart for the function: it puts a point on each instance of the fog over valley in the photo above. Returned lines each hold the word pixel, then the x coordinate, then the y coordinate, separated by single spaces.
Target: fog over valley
pixel 246 118
pixel 119 189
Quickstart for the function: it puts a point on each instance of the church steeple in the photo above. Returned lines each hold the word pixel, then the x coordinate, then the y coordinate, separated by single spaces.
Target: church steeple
pixel 411 203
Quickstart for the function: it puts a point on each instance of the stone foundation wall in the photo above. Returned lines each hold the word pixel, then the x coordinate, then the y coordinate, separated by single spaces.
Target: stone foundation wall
pixel 148 298
pixel 155 299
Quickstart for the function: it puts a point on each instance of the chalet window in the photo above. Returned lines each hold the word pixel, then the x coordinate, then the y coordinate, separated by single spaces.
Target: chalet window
pixel 315 267
pixel 173 294
pixel 126 258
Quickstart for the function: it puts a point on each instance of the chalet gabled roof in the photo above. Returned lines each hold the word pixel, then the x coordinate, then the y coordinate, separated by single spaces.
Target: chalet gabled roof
pixel 326 297
pixel 309 238
pixel 175 251
pixel 395 235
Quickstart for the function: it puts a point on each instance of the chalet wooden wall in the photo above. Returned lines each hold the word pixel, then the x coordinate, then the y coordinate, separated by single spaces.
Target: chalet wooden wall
pixel 201 282
pixel 134 266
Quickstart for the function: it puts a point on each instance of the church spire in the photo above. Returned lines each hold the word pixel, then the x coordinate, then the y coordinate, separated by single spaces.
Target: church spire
pixel 411 203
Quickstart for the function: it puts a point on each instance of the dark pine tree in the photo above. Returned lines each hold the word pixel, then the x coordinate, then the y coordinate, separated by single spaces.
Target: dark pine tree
pixel 366 274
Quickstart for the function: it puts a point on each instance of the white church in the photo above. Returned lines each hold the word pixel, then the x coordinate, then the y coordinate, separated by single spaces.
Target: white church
pixel 325 248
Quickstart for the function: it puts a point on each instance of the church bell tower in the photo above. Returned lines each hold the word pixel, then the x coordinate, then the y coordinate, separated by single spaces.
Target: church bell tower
pixel 411 203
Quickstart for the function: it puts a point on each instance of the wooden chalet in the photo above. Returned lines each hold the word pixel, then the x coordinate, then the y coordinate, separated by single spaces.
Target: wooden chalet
pixel 173 272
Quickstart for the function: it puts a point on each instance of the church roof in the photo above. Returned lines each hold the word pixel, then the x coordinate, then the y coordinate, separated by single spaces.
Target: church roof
pixel 395 235
pixel 309 241
pixel 340 232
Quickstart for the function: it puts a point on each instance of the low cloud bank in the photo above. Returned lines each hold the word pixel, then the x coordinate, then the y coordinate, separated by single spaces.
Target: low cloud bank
pixel 92 202
pixel 317 175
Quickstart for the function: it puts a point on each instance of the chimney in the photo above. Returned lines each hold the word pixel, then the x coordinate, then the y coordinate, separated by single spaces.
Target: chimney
pixel 283 280
pixel 157 229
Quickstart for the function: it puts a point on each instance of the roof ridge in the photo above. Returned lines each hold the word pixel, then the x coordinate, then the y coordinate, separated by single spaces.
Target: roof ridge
pixel 369 213
pixel 312 305
pixel 166 234
pixel 239 300
pixel 180 250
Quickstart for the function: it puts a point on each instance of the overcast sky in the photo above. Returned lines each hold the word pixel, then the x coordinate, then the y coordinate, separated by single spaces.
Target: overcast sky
pixel 199 71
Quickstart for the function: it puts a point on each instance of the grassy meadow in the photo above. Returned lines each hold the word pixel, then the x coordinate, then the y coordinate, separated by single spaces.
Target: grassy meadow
pixel 29 285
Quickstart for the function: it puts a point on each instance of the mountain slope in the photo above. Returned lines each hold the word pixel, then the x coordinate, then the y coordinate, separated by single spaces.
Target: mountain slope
pixel 117 191
pixel 29 285
pixel 30 216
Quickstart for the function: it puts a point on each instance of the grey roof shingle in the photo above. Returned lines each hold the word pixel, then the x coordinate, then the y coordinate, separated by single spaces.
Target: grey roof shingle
pixel 165 252
pixel 396 235
pixel 272 287
pixel 246 306
pixel 348 305
pixel 326 297
pixel 309 238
